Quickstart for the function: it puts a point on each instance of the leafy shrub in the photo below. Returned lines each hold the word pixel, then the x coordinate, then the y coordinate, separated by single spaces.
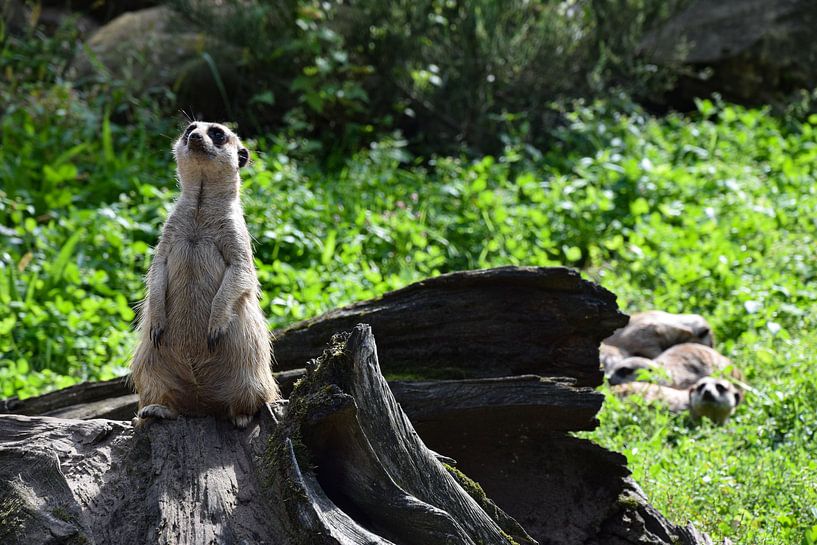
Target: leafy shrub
pixel 446 74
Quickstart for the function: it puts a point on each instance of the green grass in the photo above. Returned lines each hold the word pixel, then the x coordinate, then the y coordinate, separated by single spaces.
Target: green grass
pixel 714 213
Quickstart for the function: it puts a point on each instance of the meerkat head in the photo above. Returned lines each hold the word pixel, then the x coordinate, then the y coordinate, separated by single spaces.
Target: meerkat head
pixel 701 331
pixel 209 151
pixel 713 398
pixel 627 369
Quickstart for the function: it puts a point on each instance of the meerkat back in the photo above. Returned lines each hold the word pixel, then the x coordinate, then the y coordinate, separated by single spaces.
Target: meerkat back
pixel 204 346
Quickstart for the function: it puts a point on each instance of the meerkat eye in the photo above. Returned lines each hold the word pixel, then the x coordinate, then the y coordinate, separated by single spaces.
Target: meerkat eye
pixel 703 333
pixel 721 388
pixel 243 157
pixel 190 129
pixel 216 135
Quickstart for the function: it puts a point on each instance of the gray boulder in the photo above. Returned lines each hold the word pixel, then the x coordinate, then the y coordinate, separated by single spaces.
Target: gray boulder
pixel 154 48
pixel 750 51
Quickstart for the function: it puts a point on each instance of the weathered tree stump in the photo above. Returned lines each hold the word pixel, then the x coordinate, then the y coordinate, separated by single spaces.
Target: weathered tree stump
pixel 339 463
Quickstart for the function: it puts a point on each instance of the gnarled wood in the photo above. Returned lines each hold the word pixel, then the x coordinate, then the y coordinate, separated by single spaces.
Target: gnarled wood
pixel 524 403
pixel 339 463
pixel 476 324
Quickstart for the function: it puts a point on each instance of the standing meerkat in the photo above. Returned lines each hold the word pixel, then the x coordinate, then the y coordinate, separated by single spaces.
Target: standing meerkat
pixel 204 347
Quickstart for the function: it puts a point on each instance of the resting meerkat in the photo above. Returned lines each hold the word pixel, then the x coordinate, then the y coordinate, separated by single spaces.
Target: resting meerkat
pixel 716 399
pixel 626 370
pixel 204 346
pixel 649 333
pixel 712 398
pixel 687 363
pixel 680 366
pixel 609 356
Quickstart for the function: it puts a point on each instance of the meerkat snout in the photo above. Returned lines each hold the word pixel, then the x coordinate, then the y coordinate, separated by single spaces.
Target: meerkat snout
pixel 195 140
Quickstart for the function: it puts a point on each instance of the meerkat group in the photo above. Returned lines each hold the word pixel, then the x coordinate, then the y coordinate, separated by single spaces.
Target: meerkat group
pixel 204 346
pixel 670 358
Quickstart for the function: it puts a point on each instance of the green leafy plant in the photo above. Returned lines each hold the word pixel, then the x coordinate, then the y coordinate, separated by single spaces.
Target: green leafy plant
pixel 711 212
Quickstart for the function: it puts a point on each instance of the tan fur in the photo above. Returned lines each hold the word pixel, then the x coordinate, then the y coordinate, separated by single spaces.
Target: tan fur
pixel 610 356
pixel 676 400
pixel 204 346
pixel 627 370
pixel 649 333
pixel 687 363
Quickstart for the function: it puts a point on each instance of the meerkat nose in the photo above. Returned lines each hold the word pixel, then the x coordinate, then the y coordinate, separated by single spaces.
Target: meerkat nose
pixel 708 395
pixel 195 141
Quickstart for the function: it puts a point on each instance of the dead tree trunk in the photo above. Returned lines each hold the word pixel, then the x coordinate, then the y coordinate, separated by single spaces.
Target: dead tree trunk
pixel 339 463
pixel 476 324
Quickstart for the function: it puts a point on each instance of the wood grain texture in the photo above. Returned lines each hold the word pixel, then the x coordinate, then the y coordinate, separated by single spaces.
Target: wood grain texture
pixel 524 403
pixel 476 324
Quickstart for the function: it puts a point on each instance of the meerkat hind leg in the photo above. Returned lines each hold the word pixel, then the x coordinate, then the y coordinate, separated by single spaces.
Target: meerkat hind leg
pixel 243 409
pixel 241 421
pixel 154 411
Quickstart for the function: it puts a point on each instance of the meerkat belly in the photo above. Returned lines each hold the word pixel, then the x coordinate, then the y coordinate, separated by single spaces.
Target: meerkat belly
pixel 195 272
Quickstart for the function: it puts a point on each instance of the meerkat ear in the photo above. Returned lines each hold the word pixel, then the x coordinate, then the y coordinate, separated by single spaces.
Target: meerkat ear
pixel 243 157
pixel 738 396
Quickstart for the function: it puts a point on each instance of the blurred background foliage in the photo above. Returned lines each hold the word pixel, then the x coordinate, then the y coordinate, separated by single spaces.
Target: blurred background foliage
pixel 449 75
pixel 398 140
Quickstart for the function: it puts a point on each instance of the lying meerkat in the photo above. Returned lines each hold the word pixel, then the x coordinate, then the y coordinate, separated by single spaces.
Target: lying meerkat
pixel 204 346
pixel 649 333
pixel 679 367
pixel 676 400
pixel 626 370
pixel 610 356
pixel 712 398
pixel 716 399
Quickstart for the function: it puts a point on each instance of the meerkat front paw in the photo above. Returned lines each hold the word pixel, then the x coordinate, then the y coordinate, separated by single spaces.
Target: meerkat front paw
pixel 215 331
pixel 156 334
pixel 241 421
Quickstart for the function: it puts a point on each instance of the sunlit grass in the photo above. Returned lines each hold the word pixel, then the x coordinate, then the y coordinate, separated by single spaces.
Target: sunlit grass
pixel 714 213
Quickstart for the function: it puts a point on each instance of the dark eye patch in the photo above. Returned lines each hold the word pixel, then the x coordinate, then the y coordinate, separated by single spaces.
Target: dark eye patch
pixel 217 136
pixel 190 128
pixel 721 388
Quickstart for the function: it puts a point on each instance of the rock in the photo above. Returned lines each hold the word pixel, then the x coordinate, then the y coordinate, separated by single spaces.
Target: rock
pixel 153 48
pixel 749 51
